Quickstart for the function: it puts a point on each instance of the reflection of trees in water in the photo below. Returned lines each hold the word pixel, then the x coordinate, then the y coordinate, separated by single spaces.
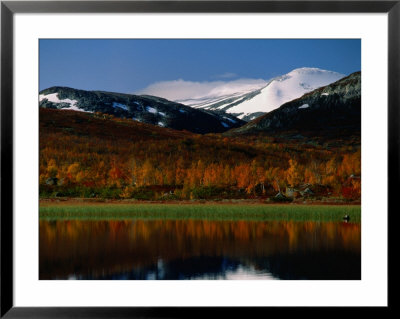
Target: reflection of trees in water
pixel 92 248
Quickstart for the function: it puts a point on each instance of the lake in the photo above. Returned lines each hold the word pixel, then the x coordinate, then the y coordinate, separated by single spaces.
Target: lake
pixel 175 249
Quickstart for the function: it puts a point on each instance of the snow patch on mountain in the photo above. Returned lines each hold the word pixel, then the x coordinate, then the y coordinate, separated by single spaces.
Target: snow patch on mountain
pixel 75 108
pixel 284 89
pixel 151 110
pixel 121 106
pixel 229 119
pixel 191 92
pixel 53 97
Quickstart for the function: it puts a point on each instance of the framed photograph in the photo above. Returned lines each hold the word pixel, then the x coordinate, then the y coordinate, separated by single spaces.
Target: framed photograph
pixel 165 157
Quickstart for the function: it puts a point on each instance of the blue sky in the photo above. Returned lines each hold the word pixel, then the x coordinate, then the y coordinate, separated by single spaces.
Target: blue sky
pixel 130 66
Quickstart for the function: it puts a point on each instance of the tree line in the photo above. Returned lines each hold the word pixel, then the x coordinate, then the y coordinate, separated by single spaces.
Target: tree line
pixel 75 162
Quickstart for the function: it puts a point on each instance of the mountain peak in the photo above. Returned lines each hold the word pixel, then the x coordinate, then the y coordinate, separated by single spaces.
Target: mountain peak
pixel 309 69
pixel 279 90
pixel 313 71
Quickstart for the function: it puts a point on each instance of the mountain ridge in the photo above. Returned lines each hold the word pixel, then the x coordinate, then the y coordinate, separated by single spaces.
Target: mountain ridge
pixel 143 108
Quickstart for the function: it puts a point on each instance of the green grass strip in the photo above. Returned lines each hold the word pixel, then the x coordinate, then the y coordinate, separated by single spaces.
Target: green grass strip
pixel 202 211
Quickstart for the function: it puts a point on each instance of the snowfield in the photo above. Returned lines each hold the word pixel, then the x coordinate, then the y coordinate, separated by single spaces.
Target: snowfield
pixel 54 99
pixel 151 110
pixel 278 91
pixel 286 88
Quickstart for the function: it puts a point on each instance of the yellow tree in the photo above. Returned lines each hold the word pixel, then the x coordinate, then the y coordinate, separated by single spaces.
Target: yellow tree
pixel 72 171
pixel 115 176
pixel 180 172
pixel 52 168
pixel 293 173
pixel 227 175
pixel 148 173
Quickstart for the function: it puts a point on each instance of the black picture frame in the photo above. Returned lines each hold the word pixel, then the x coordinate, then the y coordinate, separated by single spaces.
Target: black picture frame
pixel 9 8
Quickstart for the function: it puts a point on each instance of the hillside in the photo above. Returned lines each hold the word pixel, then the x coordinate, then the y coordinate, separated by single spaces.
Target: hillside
pixel 141 108
pixel 93 155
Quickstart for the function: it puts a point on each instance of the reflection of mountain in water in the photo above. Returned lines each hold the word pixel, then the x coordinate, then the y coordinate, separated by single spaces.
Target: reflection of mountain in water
pixel 199 249
pixel 192 268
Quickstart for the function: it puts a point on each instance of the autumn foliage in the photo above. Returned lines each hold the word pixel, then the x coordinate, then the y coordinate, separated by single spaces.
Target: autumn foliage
pixel 87 155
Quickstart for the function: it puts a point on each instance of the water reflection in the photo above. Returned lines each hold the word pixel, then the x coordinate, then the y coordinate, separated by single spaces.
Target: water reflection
pixel 199 249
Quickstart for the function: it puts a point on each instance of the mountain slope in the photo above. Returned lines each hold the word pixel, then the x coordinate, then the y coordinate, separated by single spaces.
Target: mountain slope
pixel 335 107
pixel 143 108
pixel 278 91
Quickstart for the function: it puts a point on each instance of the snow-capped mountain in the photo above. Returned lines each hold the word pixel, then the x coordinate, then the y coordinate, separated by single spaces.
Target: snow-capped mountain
pixel 327 110
pixel 227 93
pixel 282 89
pixel 142 108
